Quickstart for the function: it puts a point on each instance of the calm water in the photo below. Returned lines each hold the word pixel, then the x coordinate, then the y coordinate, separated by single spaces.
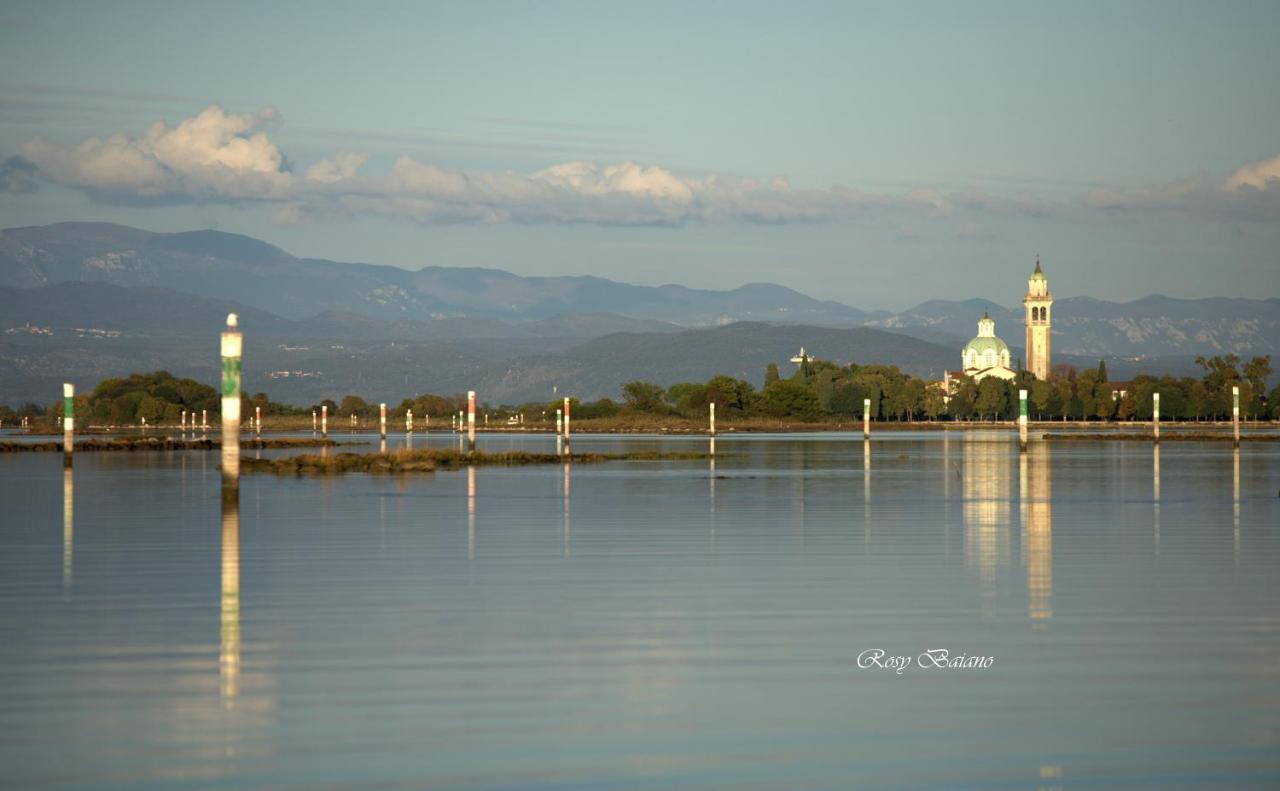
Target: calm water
pixel 649 625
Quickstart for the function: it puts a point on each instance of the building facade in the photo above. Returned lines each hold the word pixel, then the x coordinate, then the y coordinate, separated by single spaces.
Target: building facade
pixel 1036 305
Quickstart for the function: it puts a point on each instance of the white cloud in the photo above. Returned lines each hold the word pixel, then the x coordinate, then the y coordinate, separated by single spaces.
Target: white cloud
pixel 213 155
pixel 216 156
pixel 1258 175
pixel 341 166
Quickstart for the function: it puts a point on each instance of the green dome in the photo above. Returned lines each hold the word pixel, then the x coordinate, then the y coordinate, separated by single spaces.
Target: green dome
pixel 981 344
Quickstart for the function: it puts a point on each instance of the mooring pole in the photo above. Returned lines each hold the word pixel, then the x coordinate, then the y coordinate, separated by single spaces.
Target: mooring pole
pixel 68 422
pixel 324 420
pixel 1235 415
pixel 231 350
pixel 866 418
pixel 1022 420
pixel 1155 418
pixel 471 420
pixel 712 429
pixel 382 421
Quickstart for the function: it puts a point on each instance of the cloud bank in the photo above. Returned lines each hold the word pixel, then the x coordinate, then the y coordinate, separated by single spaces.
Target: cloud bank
pixel 222 157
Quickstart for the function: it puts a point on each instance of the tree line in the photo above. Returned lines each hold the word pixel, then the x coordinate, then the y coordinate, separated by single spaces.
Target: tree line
pixel 817 390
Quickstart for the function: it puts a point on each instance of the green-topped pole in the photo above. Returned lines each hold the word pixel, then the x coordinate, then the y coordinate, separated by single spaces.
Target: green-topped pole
pixel 68 422
pixel 1022 420
pixel 231 349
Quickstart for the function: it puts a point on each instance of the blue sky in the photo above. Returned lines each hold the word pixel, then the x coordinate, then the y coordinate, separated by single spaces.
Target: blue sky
pixel 879 154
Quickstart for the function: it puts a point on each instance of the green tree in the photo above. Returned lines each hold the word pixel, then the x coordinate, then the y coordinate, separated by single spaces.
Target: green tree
pixel 790 399
pixel 1256 372
pixel 1040 395
pixel 992 399
pixel 643 396
pixel 770 375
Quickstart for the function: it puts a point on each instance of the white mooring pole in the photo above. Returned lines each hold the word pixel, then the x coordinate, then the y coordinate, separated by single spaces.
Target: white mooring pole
pixel 1155 418
pixel 68 422
pixel 471 420
pixel 231 349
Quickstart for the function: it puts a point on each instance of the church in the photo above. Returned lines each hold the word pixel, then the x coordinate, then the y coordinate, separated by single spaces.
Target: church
pixel 987 355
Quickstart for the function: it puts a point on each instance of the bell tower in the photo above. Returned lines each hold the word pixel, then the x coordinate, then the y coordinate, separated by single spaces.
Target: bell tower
pixel 1036 306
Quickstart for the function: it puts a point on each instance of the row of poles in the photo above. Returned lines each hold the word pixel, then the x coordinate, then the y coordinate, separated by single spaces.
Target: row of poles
pixel 232 347
pixel 1155 418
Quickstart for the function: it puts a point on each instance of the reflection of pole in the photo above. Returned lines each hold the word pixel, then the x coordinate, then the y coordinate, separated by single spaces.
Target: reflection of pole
pixel 565 532
pixel 1235 415
pixel 1155 418
pixel 1022 420
pixel 471 420
pixel 68 422
pixel 1235 505
pixel 68 525
pixel 1155 494
pixel 866 418
pixel 471 512
pixel 229 655
pixel 231 348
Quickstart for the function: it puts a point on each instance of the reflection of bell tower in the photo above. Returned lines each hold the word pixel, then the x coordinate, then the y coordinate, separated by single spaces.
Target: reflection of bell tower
pixel 1036 304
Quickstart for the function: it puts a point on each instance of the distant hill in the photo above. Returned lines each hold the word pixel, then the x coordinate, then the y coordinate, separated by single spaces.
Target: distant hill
pixel 228 266
pixel 86 300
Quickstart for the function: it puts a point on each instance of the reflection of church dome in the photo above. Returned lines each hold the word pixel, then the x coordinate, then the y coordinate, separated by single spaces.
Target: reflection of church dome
pixel 985 350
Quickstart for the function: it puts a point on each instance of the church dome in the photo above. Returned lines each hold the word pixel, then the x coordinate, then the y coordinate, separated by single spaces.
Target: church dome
pixel 981 344
pixel 986 350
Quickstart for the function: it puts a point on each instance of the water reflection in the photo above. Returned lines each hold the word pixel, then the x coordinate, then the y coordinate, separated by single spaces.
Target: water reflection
pixel 1235 505
pixel 229 655
pixel 565 531
pixel 986 485
pixel 1155 497
pixel 471 513
pixel 1036 505
pixel 68 526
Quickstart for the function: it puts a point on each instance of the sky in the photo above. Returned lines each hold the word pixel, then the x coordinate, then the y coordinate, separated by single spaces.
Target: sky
pixel 879 154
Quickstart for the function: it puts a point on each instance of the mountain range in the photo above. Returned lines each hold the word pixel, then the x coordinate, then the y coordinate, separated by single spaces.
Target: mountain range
pixel 98 299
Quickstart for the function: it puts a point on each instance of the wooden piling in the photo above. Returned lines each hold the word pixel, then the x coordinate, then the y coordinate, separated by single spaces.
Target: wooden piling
pixel 866 418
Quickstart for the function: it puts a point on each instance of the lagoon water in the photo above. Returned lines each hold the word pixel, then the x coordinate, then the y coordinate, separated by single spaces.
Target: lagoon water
pixel 649 624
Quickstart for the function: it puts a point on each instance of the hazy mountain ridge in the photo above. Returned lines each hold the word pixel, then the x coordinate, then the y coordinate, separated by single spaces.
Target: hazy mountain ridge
pixel 254 273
